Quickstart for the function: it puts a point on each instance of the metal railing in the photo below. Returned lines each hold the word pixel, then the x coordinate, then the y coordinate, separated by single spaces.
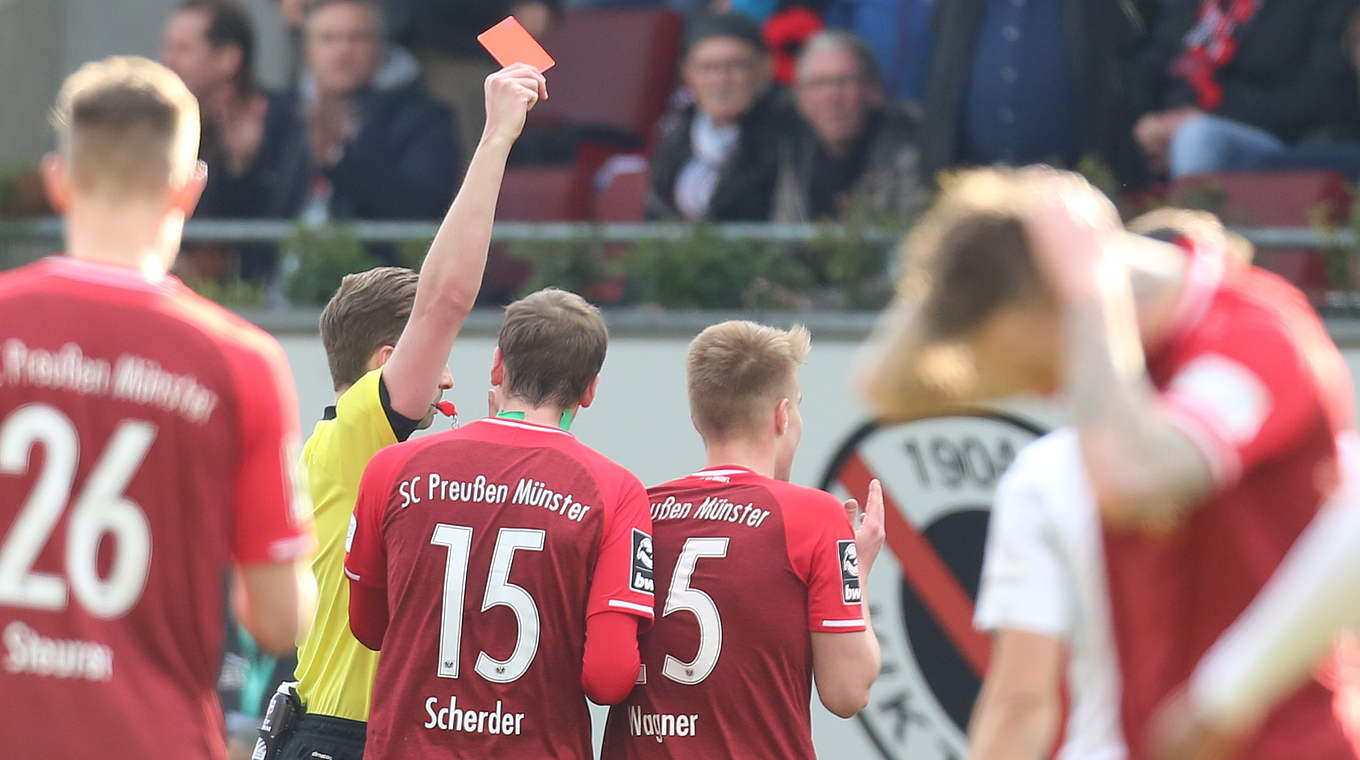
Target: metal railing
pixel 270 230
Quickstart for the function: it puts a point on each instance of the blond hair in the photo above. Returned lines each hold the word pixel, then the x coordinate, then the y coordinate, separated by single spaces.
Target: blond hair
pixel 126 126
pixel 737 370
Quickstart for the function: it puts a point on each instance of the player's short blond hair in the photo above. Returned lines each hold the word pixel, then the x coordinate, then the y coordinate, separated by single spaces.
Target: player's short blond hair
pixel 737 371
pixel 127 127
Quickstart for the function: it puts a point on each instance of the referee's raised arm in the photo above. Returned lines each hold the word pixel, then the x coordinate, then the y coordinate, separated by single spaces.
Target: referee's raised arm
pixel 451 275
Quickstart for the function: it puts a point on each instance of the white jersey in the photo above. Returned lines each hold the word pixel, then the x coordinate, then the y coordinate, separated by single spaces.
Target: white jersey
pixel 1044 572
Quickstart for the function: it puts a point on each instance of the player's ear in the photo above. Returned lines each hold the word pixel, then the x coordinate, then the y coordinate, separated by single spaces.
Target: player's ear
pixel 497 368
pixel 588 397
pixel 185 198
pixel 781 416
pixel 380 357
pixel 56 182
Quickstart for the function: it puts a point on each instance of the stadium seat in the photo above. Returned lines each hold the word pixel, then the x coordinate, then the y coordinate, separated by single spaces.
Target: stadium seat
pixel 622 194
pixel 545 193
pixel 1275 199
pixel 615 71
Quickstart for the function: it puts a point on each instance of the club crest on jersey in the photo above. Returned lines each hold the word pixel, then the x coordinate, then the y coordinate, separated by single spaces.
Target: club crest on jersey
pixel 641 579
pixel 849 557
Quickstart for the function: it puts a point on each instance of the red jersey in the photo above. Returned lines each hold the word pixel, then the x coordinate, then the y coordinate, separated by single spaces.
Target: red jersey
pixel 494 542
pixel 1251 376
pixel 751 565
pixel 146 441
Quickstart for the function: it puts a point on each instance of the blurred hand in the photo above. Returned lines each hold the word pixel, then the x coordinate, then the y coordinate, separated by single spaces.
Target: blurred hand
pixel 293 12
pixel 1179 732
pixel 868 525
pixel 1069 226
pixel 1153 131
pixel 241 123
pixel 330 124
pixel 534 15
pixel 510 94
pixel 1150 136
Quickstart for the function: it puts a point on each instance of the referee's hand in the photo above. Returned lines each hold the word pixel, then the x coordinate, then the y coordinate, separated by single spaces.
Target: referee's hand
pixel 510 94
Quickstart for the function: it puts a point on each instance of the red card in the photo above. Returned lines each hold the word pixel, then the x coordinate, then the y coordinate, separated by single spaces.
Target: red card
pixel 509 42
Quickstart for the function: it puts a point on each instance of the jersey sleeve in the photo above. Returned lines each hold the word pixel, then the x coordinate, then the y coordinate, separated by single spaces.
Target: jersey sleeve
pixel 623 579
pixel 1024 584
pixel 271 514
pixel 1245 399
pixel 365 551
pixel 822 550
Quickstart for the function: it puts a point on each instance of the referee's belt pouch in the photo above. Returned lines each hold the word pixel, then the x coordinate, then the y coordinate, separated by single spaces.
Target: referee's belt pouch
pixel 285 708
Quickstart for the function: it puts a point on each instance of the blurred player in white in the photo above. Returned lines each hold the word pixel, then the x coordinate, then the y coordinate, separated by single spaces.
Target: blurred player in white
pixel 146 446
pixel 764 582
pixel 1042 594
pixel 1207 400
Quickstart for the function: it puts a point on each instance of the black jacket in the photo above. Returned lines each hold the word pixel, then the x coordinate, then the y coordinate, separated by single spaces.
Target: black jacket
pixel 262 191
pixel 448 25
pixel 891 184
pixel 746 186
pixel 403 164
pixel 1291 75
pixel 1100 36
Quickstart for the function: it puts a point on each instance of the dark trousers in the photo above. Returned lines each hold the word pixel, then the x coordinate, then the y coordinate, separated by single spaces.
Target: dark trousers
pixel 321 737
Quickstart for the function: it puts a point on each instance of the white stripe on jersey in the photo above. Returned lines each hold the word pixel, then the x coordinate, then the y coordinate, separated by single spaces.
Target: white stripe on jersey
pixel 631 606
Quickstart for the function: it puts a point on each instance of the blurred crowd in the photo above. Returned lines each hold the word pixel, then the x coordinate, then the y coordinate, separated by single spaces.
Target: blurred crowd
pixel 783 110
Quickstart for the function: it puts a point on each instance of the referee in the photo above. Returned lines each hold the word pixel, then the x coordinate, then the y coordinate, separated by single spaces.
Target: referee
pixel 387 335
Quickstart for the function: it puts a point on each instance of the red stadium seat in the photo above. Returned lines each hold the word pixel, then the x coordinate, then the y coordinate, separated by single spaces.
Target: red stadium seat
pixel 624 198
pixel 1277 199
pixel 615 69
pixel 545 194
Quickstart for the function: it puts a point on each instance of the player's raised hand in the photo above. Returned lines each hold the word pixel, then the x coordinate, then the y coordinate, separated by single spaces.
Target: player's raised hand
pixel 1070 226
pixel 868 525
pixel 510 94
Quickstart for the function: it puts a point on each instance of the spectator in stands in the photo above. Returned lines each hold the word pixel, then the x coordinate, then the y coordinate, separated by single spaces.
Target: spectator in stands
pixel 1234 83
pixel 718 161
pixel 373 144
pixel 1024 81
pixel 899 33
pixel 856 153
pixel 443 36
pixel 210 44
pixel 292 13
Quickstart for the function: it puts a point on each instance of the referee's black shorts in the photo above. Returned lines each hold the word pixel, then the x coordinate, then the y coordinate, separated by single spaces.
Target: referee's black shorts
pixel 321 737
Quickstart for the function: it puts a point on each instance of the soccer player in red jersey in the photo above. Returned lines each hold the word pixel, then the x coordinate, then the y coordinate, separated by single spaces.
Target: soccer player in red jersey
pixel 1208 402
pixel 147 439
pixel 504 568
pixel 763 581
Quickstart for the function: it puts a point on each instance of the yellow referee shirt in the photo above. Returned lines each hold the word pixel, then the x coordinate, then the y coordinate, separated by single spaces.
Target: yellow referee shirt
pixel 335 672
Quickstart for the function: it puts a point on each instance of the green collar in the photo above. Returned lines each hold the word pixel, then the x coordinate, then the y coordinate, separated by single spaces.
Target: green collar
pixel 564 423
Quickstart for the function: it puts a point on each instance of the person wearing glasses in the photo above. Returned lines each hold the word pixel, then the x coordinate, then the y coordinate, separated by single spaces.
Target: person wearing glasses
pixel 856 152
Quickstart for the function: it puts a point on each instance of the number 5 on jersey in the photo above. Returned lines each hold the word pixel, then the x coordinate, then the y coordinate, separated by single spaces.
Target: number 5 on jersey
pixel 682 596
